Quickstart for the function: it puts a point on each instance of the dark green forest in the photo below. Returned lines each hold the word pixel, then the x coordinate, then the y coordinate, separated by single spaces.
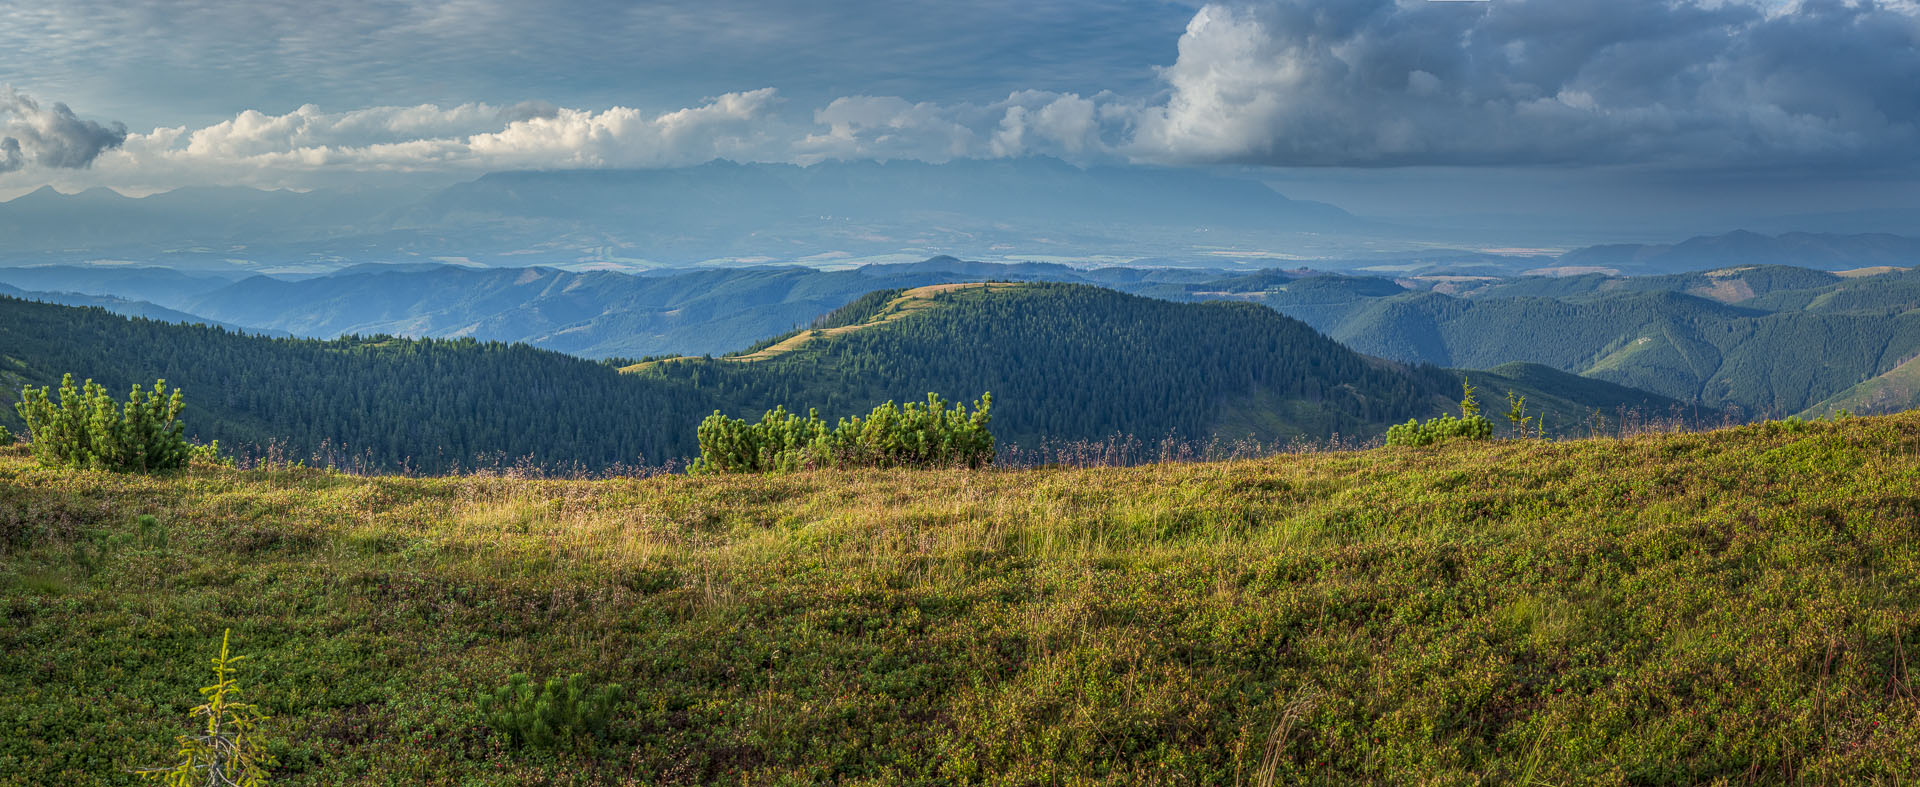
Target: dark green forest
pixel 1075 361
pixel 428 405
pixel 1064 362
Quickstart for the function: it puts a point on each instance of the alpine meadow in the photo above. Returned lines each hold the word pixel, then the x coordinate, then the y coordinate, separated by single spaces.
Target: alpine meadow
pixel 1067 393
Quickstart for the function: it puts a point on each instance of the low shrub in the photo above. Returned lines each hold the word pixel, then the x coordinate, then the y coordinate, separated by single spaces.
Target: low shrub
pixel 548 715
pixel 1471 425
pixel 86 428
pixel 1440 430
pixel 917 435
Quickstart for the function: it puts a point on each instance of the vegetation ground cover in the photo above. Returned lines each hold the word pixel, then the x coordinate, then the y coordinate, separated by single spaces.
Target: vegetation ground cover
pixel 1731 607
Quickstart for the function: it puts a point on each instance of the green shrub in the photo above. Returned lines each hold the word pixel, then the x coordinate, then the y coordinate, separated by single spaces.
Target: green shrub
pixel 152 534
pixel 1440 430
pixel 6 436
pixel 1471 425
pixel 917 435
pixel 550 715
pixel 85 428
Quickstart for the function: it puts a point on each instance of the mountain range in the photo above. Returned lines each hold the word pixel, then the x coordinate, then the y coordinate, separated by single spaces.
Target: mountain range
pixel 715 213
pixel 831 214
pixel 1762 338
pixel 1065 362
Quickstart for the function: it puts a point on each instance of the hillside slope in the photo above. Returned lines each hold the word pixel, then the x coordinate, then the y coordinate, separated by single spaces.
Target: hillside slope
pixel 428 405
pixel 1065 363
pixel 1072 362
pixel 1897 390
pixel 1686 609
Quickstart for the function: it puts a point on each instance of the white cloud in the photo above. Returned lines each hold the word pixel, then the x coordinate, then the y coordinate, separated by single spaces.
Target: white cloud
pixel 288 150
pixel 1645 82
pixel 1665 83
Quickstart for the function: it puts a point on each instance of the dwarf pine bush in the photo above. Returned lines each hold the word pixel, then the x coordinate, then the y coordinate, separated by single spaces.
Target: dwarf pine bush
pixel 917 435
pixel 1471 425
pixel 86 428
pixel 549 715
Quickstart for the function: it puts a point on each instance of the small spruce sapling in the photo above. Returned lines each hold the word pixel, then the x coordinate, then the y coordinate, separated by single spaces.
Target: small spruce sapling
pixel 1517 418
pixel 229 754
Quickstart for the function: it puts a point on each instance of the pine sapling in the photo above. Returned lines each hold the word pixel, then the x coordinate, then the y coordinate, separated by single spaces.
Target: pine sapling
pixel 1517 418
pixel 229 754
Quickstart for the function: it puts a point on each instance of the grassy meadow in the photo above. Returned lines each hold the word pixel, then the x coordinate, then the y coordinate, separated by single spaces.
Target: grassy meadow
pixel 1731 607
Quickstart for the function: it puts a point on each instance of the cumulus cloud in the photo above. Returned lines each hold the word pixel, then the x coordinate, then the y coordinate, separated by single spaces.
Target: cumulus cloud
pixel 1674 82
pixel 49 136
pixel 1025 123
pixel 290 149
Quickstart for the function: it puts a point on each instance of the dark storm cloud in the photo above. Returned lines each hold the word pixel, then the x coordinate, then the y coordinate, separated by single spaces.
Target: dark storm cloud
pixel 1564 82
pixel 50 136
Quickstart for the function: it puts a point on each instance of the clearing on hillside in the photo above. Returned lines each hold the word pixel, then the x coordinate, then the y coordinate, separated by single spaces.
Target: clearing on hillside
pixel 907 303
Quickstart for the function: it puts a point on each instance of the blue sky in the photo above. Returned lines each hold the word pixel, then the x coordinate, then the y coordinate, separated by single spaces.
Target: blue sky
pixel 1339 97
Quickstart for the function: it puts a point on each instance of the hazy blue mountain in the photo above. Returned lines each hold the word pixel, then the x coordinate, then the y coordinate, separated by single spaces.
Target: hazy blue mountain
pixel 164 286
pixel 860 208
pixel 739 213
pixel 598 314
pixel 632 219
pixel 1036 191
pixel 1801 249
pixel 102 219
pixel 124 307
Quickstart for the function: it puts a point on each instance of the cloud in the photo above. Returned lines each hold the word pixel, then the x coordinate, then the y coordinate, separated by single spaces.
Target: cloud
pixel 1540 82
pixel 1025 123
pixel 308 145
pixel 50 136
pixel 1662 85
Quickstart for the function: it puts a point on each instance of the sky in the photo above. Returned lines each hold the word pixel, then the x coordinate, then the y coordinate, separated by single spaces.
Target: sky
pixel 1403 107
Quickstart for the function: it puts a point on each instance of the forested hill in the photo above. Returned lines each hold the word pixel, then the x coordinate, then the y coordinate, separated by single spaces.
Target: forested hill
pixel 1064 362
pixel 400 403
pixel 1072 361
pixel 1766 339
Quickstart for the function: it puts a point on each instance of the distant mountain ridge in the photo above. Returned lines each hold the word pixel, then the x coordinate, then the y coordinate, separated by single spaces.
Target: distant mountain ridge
pixel 597 314
pixel 632 219
pixel 1768 339
pixel 1801 249
pixel 125 308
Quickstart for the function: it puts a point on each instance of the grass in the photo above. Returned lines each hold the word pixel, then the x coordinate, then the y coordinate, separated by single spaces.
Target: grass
pixel 1733 607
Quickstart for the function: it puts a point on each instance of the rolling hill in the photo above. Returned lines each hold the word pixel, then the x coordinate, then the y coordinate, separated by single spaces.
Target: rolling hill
pixel 1729 607
pixel 1076 361
pixel 1765 339
pixel 1065 363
